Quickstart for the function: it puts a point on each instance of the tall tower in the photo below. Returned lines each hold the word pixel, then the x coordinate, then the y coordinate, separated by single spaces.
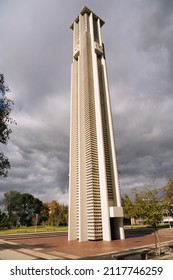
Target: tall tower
pixel 95 211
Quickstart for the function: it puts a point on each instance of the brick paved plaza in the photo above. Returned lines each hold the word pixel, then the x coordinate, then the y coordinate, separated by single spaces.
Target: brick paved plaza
pixel 58 247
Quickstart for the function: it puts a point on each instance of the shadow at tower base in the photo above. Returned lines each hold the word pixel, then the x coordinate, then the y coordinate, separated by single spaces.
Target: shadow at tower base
pixel 116 224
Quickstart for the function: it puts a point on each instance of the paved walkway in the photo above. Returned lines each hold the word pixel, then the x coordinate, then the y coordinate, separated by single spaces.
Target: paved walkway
pixel 60 248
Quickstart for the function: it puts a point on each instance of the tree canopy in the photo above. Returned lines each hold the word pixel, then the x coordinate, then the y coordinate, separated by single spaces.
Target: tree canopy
pixel 149 205
pixel 23 209
pixel 5 119
pixel 58 213
pixel 168 194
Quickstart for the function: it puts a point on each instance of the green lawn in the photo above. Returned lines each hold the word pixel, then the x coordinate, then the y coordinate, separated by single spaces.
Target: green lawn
pixel 159 226
pixel 32 229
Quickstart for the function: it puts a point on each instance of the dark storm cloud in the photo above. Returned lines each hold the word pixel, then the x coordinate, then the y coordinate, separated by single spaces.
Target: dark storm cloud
pixel 141 91
pixel 38 59
pixel 35 57
pixel 37 40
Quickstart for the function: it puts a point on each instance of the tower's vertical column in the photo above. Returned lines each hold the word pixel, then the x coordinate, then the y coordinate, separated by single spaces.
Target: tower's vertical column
pixel 117 228
pixel 83 234
pixel 100 142
pixel 116 189
pixel 73 223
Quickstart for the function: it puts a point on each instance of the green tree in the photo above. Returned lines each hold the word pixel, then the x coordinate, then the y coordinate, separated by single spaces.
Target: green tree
pixel 3 220
pixel 4 165
pixel 44 214
pixel 27 207
pixel 168 195
pixel 150 206
pixel 63 215
pixel 21 208
pixel 10 203
pixel 5 119
pixel 129 208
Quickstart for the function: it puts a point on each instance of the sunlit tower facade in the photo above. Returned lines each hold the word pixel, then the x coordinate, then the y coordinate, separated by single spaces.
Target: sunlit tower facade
pixel 95 211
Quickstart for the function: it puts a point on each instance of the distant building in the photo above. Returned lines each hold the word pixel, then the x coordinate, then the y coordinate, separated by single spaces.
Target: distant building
pixel 95 211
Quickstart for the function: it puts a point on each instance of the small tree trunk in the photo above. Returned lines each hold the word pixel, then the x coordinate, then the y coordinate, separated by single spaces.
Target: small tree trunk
pixel 157 241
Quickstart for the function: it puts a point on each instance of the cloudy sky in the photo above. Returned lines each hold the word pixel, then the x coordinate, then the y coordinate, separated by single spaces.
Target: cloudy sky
pixel 35 58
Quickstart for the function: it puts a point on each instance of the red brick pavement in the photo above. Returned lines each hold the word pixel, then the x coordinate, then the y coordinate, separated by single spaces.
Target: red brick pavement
pixel 91 248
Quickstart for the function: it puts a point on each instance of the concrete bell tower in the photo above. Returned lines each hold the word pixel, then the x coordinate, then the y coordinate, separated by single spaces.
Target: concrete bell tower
pixel 95 211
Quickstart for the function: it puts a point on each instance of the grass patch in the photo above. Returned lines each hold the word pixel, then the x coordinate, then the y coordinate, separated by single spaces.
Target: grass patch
pixel 33 229
pixel 137 226
pixel 159 226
